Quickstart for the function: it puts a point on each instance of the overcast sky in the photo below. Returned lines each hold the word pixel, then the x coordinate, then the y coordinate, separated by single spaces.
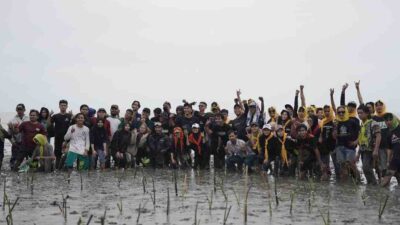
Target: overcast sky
pixel 102 52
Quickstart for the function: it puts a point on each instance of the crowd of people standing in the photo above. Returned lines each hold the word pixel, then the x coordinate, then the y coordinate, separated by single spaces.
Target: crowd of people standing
pixel 300 140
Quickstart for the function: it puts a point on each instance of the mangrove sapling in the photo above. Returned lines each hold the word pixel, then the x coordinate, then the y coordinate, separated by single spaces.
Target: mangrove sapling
pixel 103 218
pixel 291 201
pixel 144 184
pixel 9 217
pixel 215 181
pixel 226 213
pixel 89 220
pixel 139 211
pixel 154 193
pixel 176 184
pixel 80 221
pixel 382 205
pixel 168 202
pixel 364 198
pixel 237 197
pixel 276 192
pixel 196 222
pixel 119 205
pixel 245 204
pixel 223 190
pixel 32 185
pixel 80 175
pixel 4 193
pixel 210 200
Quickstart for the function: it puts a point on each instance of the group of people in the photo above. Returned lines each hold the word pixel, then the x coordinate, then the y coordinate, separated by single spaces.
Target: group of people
pixel 298 141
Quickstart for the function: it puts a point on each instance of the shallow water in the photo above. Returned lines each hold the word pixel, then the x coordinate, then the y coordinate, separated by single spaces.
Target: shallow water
pixel 104 190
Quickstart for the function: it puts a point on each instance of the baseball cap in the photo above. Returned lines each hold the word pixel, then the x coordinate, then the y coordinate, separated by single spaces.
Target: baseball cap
pixel 196 125
pixel 267 126
pixel 157 124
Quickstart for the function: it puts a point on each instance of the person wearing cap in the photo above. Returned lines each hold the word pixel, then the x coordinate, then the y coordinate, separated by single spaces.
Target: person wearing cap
pixel 13 124
pixel 288 155
pixel 28 130
pixel 196 142
pixel 255 114
pixel 158 145
pixel 346 133
pixel 269 150
pixel 179 153
pixel 380 112
pixel 217 131
pixel 309 157
pixel 114 119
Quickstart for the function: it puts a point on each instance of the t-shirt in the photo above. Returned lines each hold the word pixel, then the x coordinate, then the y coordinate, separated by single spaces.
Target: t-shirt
pixel 239 125
pixel 28 131
pixel 393 140
pixel 219 132
pixel 367 136
pixel 114 124
pixel 186 123
pixel 61 123
pixel 79 139
pixel 384 131
pixel 202 119
pixel 328 142
pixel 347 132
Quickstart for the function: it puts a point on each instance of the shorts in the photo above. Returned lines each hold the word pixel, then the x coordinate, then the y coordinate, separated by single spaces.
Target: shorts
pixel 72 157
pixel 344 154
pixel 101 156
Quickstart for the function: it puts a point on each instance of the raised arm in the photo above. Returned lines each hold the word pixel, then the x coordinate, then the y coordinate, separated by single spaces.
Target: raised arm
pixel 303 98
pixel 333 105
pixel 262 104
pixel 343 95
pixel 360 99
pixel 296 104
pixel 239 99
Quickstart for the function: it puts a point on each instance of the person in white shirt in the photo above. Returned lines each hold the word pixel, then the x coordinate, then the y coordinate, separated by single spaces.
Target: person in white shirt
pixel 14 132
pixel 236 151
pixel 79 144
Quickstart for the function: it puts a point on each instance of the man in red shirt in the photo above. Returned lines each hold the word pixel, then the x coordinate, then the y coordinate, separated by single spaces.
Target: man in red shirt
pixel 28 130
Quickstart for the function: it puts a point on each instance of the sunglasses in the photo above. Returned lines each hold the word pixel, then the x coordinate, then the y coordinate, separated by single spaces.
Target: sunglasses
pixel 341 112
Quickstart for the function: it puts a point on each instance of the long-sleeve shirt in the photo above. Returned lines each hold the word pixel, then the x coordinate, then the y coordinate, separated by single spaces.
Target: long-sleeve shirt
pixel 79 139
pixel 28 131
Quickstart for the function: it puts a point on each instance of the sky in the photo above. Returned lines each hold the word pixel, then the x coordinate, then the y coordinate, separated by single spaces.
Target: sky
pixel 116 51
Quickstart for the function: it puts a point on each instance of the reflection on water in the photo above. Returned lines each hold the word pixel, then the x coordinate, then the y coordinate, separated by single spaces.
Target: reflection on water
pixel 105 190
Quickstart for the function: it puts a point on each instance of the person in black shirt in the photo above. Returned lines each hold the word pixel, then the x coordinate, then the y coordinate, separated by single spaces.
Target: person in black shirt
pixel 61 122
pixel 393 139
pixel 157 115
pixel 188 119
pixel 202 115
pixel 346 132
pixel 380 108
pixel 239 124
pixel 309 155
pixel 218 133
pixel 269 150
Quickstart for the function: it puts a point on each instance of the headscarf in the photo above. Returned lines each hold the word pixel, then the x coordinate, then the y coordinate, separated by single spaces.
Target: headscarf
pixel 383 111
pixel 41 140
pixel 346 114
pixel 283 149
pixel 256 116
pixel 266 146
pixel 328 119
pixel 273 118
pixel 180 138
pixel 197 142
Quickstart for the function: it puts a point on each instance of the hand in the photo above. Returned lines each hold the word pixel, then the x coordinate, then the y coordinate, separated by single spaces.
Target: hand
pixel 70 112
pixel 94 153
pixel 248 136
pixel 184 101
pixel 238 92
pixel 265 161
pixel 297 92
pixel 345 86
pixel 261 98
pixel 357 84
pixel 301 87
pixel 332 91
pixel 85 152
